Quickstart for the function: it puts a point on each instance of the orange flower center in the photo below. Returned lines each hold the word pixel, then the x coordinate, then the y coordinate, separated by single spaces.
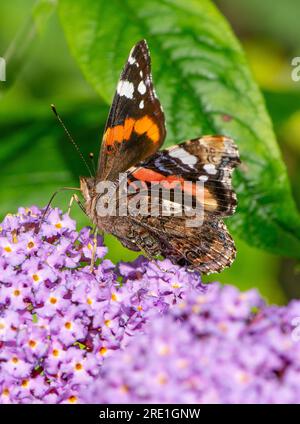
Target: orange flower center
pixel 78 366
pixel 32 343
pixel 103 350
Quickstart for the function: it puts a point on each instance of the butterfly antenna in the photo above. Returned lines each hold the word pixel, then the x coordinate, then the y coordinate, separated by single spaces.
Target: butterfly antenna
pixel 92 159
pixel 71 138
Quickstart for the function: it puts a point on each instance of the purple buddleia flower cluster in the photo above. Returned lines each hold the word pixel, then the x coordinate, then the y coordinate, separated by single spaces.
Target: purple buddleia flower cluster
pixel 222 346
pixel 60 320
pixel 136 332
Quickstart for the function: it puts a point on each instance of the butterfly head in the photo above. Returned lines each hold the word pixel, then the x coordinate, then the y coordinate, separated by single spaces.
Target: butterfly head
pixel 88 190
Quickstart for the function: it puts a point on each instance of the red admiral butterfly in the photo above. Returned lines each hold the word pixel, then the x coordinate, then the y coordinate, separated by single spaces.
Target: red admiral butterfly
pixel 134 132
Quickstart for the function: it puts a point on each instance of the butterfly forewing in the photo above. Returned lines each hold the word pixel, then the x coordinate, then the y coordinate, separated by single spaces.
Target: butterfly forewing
pixel 135 128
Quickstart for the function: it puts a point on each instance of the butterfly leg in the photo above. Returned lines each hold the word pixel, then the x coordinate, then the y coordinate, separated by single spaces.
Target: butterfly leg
pixel 159 267
pixel 163 269
pixel 70 204
pixel 93 258
pixel 75 197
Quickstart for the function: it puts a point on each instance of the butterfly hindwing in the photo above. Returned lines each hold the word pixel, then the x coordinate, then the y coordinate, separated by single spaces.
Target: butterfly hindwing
pixel 207 249
pixel 135 128
pixel 209 160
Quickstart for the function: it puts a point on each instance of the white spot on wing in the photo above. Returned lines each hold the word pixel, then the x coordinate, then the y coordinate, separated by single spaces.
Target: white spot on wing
pixel 141 105
pixel 131 60
pixel 210 168
pixel 125 88
pixel 203 178
pixel 184 156
pixel 141 74
pixel 142 88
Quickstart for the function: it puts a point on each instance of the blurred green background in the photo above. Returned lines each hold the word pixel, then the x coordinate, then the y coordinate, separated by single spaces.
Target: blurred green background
pixel 36 159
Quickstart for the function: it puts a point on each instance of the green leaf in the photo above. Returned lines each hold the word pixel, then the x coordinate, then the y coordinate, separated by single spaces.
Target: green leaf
pixel 205 86
pixel 281 25
pixel 281 106
pixel 18 53
pixel 42 11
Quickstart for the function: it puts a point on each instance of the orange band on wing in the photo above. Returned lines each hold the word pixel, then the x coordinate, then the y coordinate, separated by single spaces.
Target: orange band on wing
pixel 146 126
pixel 210 201
pixel 141 126
pixel 148 175
pixel 119 132
pixel 145 174
pixel 202 194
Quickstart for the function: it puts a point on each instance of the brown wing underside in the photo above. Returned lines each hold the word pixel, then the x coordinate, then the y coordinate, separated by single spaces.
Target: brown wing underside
pixel 206 249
